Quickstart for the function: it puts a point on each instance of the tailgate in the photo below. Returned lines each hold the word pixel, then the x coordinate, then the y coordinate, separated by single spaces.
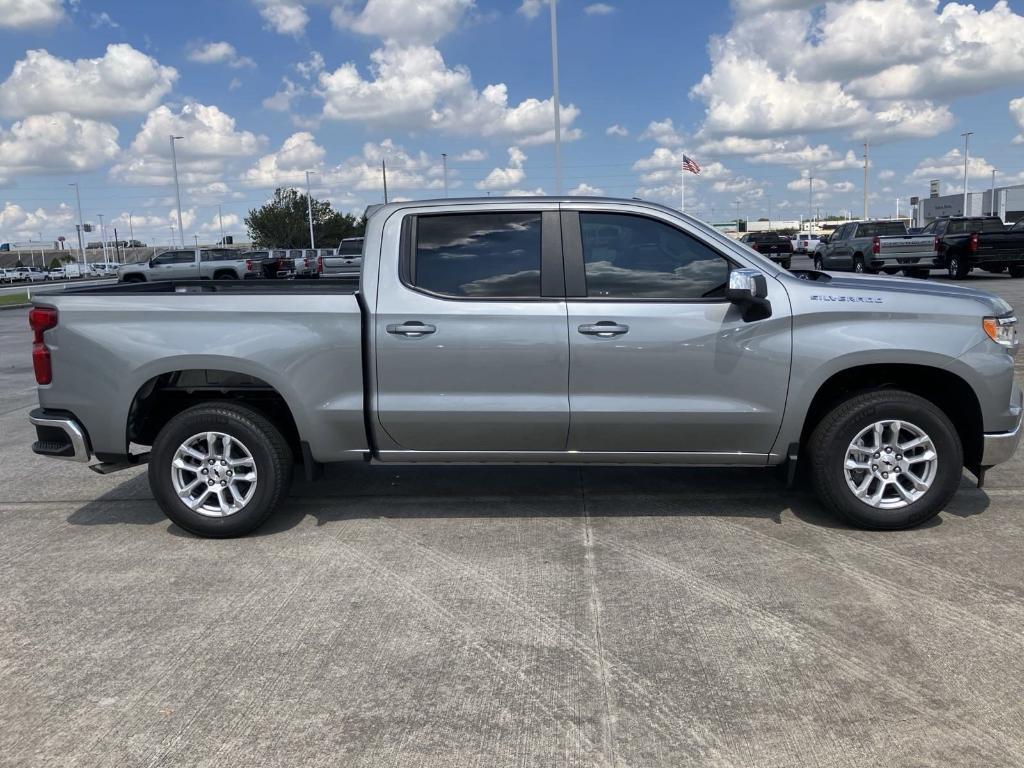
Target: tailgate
pixel 906 245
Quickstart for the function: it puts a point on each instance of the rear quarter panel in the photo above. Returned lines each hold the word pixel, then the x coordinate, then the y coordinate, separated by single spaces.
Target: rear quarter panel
pixel 308 347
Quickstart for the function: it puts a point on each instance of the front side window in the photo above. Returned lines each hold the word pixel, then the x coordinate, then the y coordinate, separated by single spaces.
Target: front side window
pixel 634 257
pixel 478 255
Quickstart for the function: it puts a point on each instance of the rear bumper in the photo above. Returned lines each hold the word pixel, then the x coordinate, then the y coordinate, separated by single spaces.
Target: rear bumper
pixel 999 447
pixel 59 436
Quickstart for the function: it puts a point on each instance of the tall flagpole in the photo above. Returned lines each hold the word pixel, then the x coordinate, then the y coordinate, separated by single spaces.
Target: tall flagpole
pixel 555 98
pixel 682 188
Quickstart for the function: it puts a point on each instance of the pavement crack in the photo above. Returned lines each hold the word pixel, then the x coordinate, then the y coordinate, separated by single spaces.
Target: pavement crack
pixel 590 572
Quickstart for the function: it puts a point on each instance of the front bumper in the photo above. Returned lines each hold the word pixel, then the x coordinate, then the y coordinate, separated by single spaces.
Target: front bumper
pixel 59 436
pixel 999 447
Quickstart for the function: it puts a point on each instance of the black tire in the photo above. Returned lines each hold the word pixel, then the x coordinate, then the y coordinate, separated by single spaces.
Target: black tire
pixel 835 432
pixel 997 270
pixel 785 264
pixel 819 264
pixel 957 268
pixel 134 279
pixel 270 453
pixel 226 274
pixel 860 267
pixel 890 271
pixel 1017 271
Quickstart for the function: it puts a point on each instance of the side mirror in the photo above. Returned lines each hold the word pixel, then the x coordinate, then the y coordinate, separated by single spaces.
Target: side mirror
pixel 748 289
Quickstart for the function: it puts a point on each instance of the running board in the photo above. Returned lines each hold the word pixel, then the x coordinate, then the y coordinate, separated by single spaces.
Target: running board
pixel 106 468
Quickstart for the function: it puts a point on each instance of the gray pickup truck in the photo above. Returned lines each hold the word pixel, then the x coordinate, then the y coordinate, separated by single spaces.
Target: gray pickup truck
pixel 191 263
pixel 876 246
pixel 532 331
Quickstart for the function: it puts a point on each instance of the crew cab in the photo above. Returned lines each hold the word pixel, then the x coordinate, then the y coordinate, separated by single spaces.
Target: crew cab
pixel 875 246
pixel 531 331
pixel 962 244
pixel 776 247
pixel 198 263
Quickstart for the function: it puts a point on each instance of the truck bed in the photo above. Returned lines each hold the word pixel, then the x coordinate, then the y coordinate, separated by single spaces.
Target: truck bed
pixel 113 344
pixel 348 284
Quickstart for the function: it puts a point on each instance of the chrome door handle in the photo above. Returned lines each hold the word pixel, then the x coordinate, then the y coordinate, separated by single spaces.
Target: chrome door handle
pixel 412 328
pixel 605 329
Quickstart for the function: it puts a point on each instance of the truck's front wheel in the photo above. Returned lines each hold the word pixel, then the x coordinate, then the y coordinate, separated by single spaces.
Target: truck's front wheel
pixel 957 267
pixel 219 469
pixel 886 459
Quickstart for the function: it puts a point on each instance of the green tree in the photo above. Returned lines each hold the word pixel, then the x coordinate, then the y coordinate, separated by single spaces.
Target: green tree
pixel 283 222
pixel 54 263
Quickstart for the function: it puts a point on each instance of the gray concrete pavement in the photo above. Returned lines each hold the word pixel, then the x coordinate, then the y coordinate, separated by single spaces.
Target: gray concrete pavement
pixel 500 617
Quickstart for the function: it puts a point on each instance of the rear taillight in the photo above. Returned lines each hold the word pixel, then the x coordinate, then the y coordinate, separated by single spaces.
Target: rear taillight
pixel 248 265
pixel 936 244
pixel 876 245
pixel 974 242
pixel 319 265
pixel 40 320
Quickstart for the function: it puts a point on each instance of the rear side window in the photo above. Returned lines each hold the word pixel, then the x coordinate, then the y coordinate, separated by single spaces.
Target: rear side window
pixel 478 255
pixel 634 257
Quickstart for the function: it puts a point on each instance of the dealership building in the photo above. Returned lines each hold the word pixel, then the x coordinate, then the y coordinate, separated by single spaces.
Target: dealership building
pixel 1009 205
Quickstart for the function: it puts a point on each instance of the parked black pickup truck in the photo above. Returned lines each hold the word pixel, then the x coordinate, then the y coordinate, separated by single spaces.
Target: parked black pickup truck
pixel 965 243
pixel 776 247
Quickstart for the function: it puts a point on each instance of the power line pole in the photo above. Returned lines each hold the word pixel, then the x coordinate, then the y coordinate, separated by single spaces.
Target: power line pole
pixel 967 154
pixel 384 174
pixel 769 211
pixel 737 215
pixel 177 189
pixel 131 230
pixel 220 219
pixel 309 210
pixel 103 238
pixel 444 161
pixel 865 180
pixel 556 98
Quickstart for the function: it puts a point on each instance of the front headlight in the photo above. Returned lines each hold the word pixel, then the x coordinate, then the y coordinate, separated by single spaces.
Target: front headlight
pixel 1002 330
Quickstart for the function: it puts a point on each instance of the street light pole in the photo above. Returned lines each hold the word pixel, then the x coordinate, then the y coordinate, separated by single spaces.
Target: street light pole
pixel 177 188
pixel 444 162
pixel 865 180
pixel 967 153
pixel 103 238
pixel 992 196
pixel 309 210
pixel 131 231
pixel 81 223
pixel 556 98
pixel 220 219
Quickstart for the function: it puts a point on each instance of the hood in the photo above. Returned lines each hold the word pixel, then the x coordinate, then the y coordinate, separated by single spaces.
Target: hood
pixel 894 286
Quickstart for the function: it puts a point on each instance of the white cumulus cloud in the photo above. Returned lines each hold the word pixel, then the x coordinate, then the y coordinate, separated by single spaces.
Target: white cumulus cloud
pixel 405 21
pixel 56 143
pixel 509 177
pixel 121 82
pixel 286 17
pixel 26 14
pixel 220 52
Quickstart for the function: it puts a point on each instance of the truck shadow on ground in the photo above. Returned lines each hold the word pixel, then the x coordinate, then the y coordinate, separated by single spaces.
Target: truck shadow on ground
pixel 367 492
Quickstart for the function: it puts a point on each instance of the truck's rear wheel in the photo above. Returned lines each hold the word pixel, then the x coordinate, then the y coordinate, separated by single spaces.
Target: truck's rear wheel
pixel 1017 271
pixel 957 268
pixel 226 274
pixel 219 469
pixel 886 459
pixel 819 264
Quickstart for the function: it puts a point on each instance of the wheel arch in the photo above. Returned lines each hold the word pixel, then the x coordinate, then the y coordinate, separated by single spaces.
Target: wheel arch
pixel 163 396
pixel 952 394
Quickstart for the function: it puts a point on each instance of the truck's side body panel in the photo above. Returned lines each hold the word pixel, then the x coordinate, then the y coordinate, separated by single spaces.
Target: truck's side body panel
pixel 308 349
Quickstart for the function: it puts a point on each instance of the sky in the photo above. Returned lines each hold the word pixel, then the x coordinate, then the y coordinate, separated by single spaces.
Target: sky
pixel 774 99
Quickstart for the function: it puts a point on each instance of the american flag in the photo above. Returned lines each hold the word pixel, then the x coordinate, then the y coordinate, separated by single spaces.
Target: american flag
pixel 691 165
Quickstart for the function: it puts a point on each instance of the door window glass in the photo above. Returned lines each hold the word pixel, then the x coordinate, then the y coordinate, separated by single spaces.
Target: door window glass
pixel 627 257
pixel 478 255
